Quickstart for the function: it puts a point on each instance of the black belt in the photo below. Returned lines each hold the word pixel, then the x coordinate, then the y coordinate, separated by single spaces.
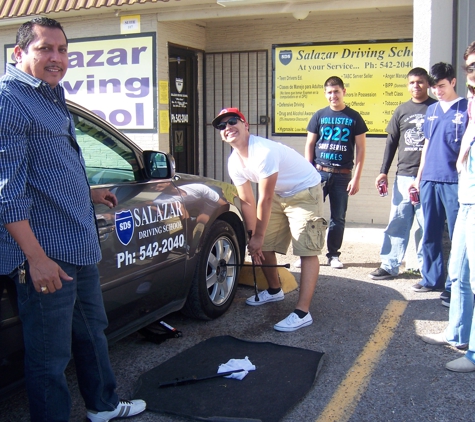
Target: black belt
pixel 332 169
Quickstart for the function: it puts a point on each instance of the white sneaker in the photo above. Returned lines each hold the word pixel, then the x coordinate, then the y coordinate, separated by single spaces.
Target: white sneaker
pixel 124 409
pixel 298 263
pixel 293 322
pixel 265 297
pixel 335 262
pixel 462 364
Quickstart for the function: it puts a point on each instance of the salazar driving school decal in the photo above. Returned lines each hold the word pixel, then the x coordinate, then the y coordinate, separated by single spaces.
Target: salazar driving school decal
pixel 179 84
pixel 152 221
pixel 124 226
pixel 285 57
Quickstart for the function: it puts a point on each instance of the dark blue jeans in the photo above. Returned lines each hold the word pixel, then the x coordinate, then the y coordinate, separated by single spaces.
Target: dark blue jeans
pixel 72 319
pixel 439 202
pixel 335 188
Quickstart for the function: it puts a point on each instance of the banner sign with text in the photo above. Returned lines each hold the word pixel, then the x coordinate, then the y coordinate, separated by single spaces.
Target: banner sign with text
pixel 114 77
pixel 374 74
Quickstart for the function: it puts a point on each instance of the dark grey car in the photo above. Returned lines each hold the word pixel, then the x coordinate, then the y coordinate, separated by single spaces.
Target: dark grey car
pixel 165 246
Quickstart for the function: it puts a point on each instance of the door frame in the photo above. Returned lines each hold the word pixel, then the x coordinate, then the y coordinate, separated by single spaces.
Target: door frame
pixel 192 163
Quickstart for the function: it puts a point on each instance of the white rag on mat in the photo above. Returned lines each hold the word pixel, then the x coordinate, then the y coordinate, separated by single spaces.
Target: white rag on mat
pixel 236 364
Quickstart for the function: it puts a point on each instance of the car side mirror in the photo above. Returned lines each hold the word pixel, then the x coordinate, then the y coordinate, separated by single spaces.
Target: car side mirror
pixel 158 165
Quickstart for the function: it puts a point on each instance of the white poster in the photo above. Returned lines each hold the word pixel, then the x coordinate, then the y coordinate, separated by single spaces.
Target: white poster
pixel 115 78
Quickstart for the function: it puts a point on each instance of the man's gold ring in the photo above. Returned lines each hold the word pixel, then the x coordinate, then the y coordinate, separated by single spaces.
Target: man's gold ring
pixel 43 288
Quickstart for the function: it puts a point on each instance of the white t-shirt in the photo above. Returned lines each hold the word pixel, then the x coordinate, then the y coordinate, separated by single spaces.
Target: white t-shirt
pixel 267 157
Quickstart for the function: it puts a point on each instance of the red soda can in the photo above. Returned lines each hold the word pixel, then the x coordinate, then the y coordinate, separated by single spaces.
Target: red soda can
pixel 383 188
pixel 414 196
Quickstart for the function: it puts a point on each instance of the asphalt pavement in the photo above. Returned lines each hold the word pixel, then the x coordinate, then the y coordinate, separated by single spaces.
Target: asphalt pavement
pixel 375 367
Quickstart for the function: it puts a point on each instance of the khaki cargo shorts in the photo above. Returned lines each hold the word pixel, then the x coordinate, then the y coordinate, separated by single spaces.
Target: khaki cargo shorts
pixel 297 218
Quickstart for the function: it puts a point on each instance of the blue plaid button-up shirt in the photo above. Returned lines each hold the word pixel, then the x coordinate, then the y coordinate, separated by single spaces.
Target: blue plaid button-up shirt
pixel 42 175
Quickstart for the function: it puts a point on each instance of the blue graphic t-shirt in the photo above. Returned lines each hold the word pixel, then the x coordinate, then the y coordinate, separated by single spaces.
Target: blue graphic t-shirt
pixel 336 132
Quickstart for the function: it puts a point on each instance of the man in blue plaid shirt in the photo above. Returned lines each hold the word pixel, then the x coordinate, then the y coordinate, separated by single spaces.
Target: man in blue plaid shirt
pixel 48 238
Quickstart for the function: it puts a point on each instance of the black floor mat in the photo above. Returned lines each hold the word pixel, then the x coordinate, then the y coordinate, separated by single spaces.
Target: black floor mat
pixel 282 377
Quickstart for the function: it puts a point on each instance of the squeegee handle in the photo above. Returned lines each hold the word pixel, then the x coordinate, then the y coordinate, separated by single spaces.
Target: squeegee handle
pixel 190 380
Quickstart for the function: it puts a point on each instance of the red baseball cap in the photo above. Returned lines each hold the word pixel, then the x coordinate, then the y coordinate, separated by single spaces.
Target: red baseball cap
pixel 228 112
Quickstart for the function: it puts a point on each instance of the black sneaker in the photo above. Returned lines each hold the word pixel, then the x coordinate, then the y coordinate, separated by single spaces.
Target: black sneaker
pixel 445 295
pixel 379 274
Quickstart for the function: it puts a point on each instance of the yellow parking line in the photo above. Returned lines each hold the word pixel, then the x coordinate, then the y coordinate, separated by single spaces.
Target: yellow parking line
pixel 346 397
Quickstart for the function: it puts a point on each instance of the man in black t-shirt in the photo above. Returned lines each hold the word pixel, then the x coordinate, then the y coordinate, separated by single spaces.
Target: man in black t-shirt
pixel 334 134
pixel 405 134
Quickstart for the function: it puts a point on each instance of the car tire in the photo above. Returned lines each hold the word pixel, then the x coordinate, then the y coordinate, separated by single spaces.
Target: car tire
pixel 214 283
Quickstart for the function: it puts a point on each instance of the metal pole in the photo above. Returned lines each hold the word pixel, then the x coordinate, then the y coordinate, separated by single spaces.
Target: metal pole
pixel 256 297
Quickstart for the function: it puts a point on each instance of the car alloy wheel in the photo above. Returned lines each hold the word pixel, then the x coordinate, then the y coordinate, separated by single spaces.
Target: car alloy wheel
pixel 215 283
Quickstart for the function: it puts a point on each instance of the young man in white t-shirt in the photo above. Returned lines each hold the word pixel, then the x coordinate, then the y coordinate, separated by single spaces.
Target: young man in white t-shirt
pixel 437 177
pixel 290 207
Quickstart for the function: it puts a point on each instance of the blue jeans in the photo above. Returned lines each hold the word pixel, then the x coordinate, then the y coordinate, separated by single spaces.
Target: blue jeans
pixel 461 328
pixel 71 319
pixel 439 202
pixel 396 234
pixel 335 187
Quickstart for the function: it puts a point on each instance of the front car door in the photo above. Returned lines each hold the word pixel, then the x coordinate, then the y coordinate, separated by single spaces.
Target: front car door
pixel 143 238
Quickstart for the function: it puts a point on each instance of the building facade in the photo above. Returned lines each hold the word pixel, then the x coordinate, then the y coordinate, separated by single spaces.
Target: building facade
pixel 204 55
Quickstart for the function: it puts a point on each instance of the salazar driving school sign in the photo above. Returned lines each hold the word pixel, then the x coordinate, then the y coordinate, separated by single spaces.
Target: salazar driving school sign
pixel 114 77
pixel 374 74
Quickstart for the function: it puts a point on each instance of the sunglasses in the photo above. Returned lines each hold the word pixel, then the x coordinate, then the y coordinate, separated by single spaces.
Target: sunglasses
pixel 231 122
pixel 471 89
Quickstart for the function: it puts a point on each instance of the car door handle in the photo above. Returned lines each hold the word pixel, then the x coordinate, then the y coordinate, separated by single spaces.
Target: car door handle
pixel 104 228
